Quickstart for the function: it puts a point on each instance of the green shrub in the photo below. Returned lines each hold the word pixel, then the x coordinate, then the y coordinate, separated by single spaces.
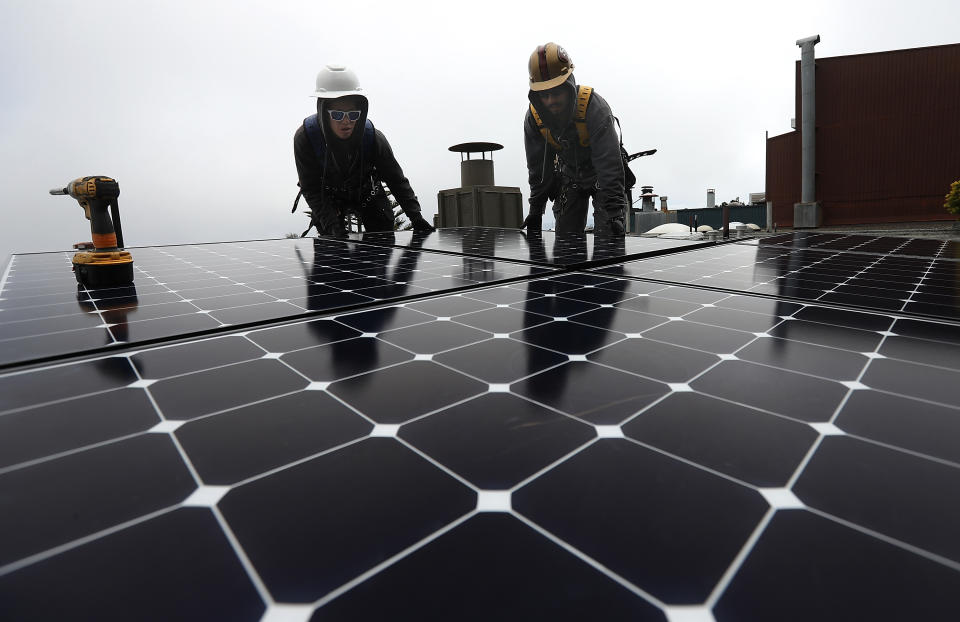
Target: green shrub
pixel 953 198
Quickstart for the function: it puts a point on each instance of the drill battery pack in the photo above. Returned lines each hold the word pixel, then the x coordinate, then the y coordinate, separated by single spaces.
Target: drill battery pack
pixel 103 269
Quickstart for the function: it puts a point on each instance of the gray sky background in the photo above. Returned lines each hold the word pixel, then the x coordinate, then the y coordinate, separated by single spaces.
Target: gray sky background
pixel 192 106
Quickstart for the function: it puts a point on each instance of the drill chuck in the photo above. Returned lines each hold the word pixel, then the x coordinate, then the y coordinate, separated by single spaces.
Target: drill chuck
pixel 92 187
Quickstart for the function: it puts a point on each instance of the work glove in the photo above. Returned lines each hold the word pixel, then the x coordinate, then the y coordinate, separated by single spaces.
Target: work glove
pixel 533 223
pixel 333 227
pixel 420 224
pixel 328 223
pixel 616 227
pixel 336 230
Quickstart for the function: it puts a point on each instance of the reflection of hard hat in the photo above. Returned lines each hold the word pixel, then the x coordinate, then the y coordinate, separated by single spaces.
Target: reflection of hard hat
pixel 549 67
pixel 335 81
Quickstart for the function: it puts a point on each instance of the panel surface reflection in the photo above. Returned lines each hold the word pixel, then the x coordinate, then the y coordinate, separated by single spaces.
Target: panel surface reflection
pixel 546 247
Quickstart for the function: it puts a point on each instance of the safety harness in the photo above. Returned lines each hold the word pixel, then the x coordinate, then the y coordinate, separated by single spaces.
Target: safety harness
pixel 579 118
pixel 311 126
pixel 315 133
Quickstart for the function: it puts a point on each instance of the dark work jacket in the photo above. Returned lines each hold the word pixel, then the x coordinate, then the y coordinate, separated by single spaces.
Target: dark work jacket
pixel 598 165
pixel 344 180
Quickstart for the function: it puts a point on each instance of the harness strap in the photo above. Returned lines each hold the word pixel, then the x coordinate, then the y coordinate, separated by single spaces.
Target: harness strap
pixel 315 134
pixel 579 119
pixel 311 126
pixel 547 136
pixel 297 200
pixel 583 100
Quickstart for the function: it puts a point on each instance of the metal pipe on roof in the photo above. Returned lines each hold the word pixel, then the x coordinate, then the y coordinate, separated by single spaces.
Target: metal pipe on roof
pixel 647 203
pixel 808 113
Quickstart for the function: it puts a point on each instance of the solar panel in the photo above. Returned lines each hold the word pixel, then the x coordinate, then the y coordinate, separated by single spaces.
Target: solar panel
pixel 861 243
pixel 925 286
pixel 545 248
pixel 184 290
pixel 565 446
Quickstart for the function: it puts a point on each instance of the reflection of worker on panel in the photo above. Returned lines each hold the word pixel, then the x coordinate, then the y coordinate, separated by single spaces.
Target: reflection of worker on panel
pixel 341 168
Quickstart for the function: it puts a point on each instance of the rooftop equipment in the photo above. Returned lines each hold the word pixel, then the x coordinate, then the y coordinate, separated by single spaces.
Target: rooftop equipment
pixel 479 202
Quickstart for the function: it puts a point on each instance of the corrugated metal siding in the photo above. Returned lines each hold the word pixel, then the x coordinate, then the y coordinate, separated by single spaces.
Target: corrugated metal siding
pixel 888 138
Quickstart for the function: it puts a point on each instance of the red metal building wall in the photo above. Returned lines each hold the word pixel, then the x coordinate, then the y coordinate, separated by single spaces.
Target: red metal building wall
pixel 888 138
pixel 783 176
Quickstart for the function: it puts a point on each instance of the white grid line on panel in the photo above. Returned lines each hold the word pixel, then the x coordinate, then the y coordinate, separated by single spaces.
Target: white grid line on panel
pixel 349 585
pixel 888 539
pixel 6 274
pixel 68 546
pixel 636 590
pixel 241 554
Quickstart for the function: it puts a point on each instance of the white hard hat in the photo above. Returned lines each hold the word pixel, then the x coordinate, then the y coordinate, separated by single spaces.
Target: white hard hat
pixel 335 81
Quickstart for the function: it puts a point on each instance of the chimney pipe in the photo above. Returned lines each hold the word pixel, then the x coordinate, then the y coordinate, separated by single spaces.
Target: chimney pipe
pixel 647 203
pixel 808 114
pixel 473 171
pixel 711 197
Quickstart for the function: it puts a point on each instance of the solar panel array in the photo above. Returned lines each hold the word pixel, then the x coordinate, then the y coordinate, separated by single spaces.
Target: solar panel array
pixel 860 243
pixel 184 290
pixel 588 443
pixel 915 284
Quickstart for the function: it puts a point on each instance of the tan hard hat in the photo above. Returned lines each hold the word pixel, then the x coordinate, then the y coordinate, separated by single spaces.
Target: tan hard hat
pixel 549 66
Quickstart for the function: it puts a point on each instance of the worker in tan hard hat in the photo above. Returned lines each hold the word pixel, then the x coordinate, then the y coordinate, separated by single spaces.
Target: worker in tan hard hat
pixel 573 150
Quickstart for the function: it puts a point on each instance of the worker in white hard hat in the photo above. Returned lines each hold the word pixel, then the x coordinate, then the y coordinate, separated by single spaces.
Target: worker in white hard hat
pixel 573 150
pixel 342 160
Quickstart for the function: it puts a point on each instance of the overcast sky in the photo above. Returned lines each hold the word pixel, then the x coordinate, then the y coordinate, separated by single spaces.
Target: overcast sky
pixel 192 106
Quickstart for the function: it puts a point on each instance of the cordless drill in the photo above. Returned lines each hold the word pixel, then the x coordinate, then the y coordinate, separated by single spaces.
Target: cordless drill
pixel 108 265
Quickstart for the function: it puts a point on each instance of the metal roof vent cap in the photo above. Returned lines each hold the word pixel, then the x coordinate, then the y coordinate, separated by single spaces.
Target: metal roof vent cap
pixel 473 171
